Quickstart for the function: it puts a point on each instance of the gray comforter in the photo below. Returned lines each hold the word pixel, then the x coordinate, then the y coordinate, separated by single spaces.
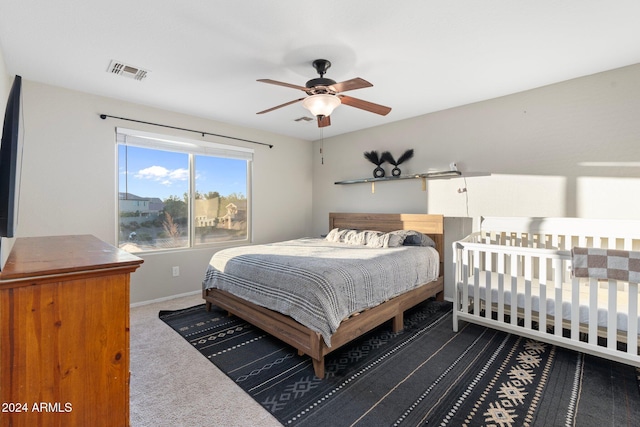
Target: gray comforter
pixel 320 283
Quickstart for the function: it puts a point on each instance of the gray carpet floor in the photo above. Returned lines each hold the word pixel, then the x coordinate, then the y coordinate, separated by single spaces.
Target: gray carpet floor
pixel 173 385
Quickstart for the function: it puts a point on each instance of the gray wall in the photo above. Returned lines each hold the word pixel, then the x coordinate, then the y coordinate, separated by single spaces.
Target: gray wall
pixel 561 150
pixel 69 179
pixel 570 149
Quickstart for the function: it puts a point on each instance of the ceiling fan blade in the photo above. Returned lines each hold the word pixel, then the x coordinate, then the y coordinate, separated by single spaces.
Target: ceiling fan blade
pixel 275 82
pixel 364 105
pixel 324 121
pixel 280 106
pixel 352 84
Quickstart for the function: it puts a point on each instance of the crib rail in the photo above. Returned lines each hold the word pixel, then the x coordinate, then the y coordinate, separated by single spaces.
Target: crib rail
pixel 560 233
pixel 521 282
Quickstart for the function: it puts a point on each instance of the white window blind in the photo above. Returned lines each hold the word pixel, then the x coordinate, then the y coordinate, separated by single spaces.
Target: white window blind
pixel 150 140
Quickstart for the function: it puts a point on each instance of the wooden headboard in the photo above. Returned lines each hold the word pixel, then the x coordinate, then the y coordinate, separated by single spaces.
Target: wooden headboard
pixel 429 224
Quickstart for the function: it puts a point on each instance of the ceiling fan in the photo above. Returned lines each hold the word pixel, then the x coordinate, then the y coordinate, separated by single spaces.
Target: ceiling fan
pixel 324 95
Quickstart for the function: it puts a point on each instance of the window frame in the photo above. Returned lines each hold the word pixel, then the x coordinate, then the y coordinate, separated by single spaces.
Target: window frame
pixel 193 148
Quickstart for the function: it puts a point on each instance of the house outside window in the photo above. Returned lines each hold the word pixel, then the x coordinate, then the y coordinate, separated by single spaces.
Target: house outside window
pixel 176 193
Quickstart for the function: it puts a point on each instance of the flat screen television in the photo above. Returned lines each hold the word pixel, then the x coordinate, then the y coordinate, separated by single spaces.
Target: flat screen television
pixel 10 162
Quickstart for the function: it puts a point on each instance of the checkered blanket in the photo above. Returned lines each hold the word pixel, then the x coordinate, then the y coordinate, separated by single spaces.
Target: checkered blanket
pixel 606 264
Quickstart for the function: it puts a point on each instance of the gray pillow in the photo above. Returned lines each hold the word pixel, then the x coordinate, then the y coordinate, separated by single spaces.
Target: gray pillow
pixel 414 238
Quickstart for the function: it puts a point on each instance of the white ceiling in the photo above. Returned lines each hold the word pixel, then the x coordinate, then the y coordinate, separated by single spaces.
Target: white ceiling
pixel 204 56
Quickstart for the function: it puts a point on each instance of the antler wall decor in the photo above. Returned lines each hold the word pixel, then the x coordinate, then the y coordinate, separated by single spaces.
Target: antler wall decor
pixel 377 160
pixel 388 157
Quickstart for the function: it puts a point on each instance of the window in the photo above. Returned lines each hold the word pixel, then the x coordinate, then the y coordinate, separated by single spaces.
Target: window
pixel 177 193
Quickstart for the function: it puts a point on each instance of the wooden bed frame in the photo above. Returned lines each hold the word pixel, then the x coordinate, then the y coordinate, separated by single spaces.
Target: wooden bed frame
pixel 310 342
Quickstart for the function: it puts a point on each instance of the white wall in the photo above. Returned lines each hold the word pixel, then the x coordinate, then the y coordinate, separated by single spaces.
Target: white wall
pixel 5 83
pixel 538 145
pixel 69 179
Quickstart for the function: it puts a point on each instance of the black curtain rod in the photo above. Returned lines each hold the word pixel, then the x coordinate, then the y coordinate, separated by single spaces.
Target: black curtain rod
pixel 104 116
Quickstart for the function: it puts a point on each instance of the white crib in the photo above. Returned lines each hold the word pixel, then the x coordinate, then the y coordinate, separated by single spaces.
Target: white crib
pixel 515 275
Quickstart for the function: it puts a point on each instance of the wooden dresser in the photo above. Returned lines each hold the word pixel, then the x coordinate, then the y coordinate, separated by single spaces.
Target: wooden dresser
pixel 64 333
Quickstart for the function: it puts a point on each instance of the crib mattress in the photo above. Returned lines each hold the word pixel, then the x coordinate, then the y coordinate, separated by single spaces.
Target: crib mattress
pixel 622 298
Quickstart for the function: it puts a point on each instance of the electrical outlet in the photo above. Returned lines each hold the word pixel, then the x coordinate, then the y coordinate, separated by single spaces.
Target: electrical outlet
pixel 175 271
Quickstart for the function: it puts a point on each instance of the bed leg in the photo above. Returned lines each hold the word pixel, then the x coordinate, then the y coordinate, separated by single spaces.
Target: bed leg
pixel 318 367
pixel 398 323
pixel 208 306
pixel 440 296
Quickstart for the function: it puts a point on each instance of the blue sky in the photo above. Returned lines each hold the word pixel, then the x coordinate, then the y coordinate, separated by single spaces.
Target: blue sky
pixel 155 173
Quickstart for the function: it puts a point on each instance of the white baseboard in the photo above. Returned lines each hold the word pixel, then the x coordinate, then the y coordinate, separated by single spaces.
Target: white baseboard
pixel 141 303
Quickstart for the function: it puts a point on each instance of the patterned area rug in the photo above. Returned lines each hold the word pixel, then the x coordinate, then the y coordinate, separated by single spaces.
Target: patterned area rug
pixel 424 375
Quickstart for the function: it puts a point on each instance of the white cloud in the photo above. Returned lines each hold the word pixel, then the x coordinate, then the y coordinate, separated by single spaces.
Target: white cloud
pixel 179 174
pixel 163 175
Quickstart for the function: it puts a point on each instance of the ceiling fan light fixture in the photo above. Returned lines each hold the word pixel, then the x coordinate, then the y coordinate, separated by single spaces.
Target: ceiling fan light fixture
pixel 321 104
pixel 325 95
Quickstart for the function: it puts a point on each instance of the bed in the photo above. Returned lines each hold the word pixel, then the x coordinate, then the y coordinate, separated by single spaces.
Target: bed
pixel 266 284
pixel 566 281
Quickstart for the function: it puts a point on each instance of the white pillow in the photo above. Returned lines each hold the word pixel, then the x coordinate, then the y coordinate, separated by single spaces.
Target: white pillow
pixel 371 238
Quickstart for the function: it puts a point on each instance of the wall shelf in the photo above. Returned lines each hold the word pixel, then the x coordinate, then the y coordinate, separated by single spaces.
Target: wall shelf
pixel 423 176
pixel 428 175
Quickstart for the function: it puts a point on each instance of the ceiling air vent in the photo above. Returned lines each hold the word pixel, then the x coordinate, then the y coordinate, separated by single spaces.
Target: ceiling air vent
pixel 121 69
